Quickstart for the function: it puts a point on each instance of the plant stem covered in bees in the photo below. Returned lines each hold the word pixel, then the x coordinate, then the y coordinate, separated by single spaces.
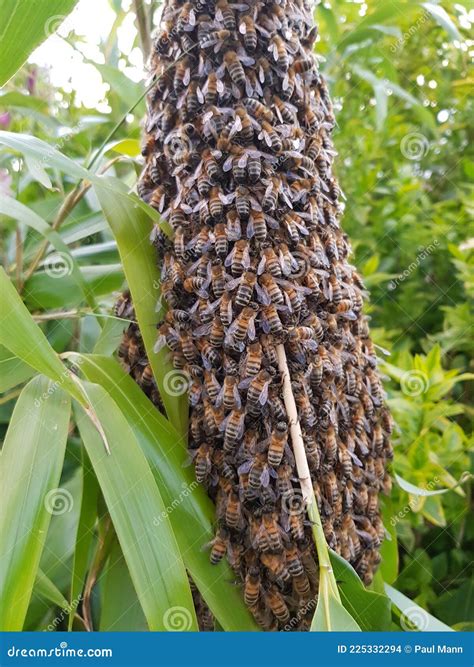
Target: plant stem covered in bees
pixel 239 162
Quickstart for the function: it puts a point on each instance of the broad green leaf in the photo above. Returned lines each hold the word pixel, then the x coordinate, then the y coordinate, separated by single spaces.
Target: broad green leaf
pixel 44 291
pixel 13 371
pixel 85 530
pixel 134 502
pixel 127 90
pixel 64 264
pixel 110 336
pixel 442 18
pixel 370 610
pixel 417 491
pixel 414 615
pixel 31 463
pixel 131 228
pixel 46 155
pixel 389 548
pixel 47 590
pixel 330 615
pixel 120 606
pixel 24 24
pixel 193 516
pixel 20 334
pixel 130 147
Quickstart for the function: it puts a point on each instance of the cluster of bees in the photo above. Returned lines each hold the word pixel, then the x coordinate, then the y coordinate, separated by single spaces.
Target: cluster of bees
pixel 239 162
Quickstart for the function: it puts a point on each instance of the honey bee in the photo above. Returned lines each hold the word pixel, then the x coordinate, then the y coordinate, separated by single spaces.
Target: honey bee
pixel 241 327
pixel 219 546
pixel 270 262
pixel 225 14
pixel 225 309
pixel 296 525
pixel 246 286
pixel 247 29
pixel 276 565
pixel 211 385
pixel 218 279
pixel 233 515
pixel 271 320
pixel 313 451
pixel 257 226
pixel 229 394
pixel 147 378
pixel 278 441
pixel 233 426
pixel 211 166
pixel 221 243
pixel 235 69
pixel 331 489
pixel 239 258
pixel 202 462
pixel 277 604
pixel 216 207
pixel 280 54
pixel 258 387
pixel 252 586
pixel 252 361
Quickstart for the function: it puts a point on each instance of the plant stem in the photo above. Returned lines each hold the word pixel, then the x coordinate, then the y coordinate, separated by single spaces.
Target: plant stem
pixel 142 21
pixel 102 551
pixel 304 474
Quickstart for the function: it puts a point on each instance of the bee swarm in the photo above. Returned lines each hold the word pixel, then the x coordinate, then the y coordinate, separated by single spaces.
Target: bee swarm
pixel 239 162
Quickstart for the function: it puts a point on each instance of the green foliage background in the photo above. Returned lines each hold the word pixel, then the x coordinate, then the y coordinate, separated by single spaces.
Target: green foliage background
pixel 400 76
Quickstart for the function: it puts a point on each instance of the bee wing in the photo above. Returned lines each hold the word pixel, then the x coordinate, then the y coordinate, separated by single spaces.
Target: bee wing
pixel 220 397
pixel 262 295
pixel 263 398
pixel 265 477
pixel 243 28
pixel 230 257
pixel 251 329
pixel 261 265
pixel 160 343
pixel 245 383
pixel 245 467
pixel 232 284
pixel 223 424
pixel 250 229
pixel 202 330
pixel 237 399
pixel 227 166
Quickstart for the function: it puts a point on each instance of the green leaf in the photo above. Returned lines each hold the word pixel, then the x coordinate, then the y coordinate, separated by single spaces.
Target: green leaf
pixel 120 606
pixel 65 264
pixel 39 150
pixel 417 491
pixel 24 338
pixel 110 336
pixel 47 590
pixel 331 615
pixel 31 463
pixel 442 18
pixel 134 501
pixel 193 513
pixel 131 228
pixel 85 530
pixel 13 371
pixel 414 615
pixel 44 291
pixel 24 24
pixel 371 610
pixel 127 90
pixel 389 548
